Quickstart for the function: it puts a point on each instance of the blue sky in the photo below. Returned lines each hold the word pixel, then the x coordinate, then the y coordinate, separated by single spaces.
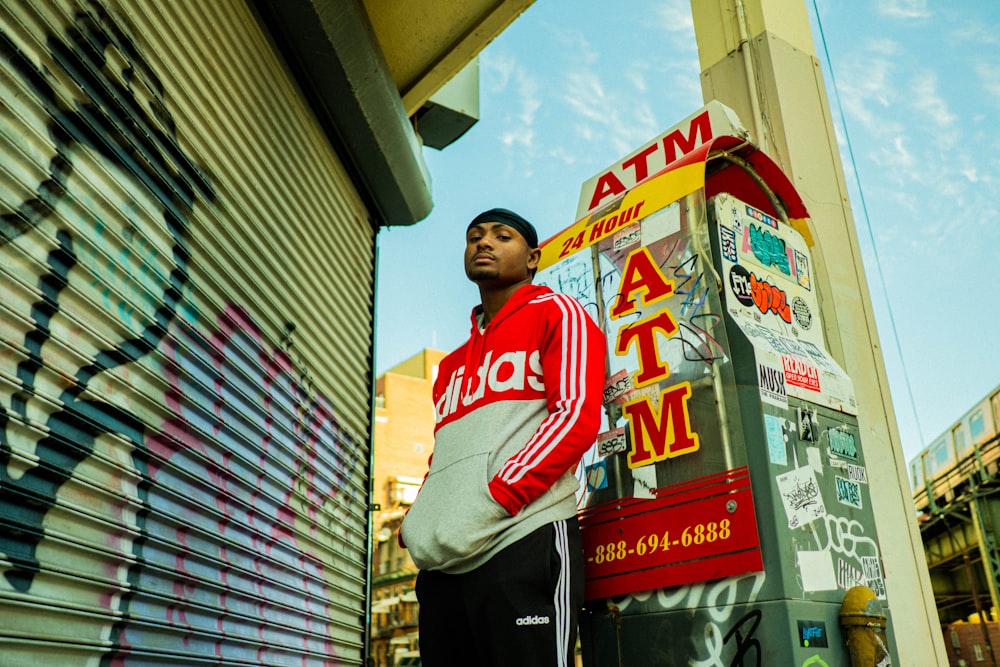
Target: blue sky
pixel 570 87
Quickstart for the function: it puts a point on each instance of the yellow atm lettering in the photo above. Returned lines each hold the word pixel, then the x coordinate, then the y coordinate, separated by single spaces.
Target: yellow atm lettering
pixel 640 274
pixel 655 435
pixel 643 332
pixel 658 436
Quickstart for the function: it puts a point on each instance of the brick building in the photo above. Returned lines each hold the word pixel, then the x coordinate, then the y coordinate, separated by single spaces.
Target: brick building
pixel 971 644
pixel 404 437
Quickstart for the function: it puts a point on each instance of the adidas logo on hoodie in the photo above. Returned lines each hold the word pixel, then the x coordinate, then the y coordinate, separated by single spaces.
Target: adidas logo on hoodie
pixel 510 371
pixel 533 620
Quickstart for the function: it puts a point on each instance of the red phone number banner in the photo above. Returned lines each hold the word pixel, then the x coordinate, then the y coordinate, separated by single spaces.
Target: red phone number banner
pixel 698 530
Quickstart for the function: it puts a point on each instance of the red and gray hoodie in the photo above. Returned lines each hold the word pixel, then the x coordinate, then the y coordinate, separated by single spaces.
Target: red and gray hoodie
pixel 516 408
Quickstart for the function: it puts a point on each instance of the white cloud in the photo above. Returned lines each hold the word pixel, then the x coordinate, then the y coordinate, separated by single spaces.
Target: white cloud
pixel 530 103
pixel 520 125
pixel 576 46
pixel 675 16
pixel 927 100
pixel 617 118
pixel 645 122
pixel 585 95
pixel 988 74
pixel 866 91
pixel 562 155
pixel 518 136
pixel 904 158
pixel 974 32
pixel 636 78
pixel 506 77
pixel 884 46
pixel 904 9
pixel 496 70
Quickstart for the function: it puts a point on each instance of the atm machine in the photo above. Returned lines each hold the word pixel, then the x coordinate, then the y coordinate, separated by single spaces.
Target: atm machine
pixel 725 509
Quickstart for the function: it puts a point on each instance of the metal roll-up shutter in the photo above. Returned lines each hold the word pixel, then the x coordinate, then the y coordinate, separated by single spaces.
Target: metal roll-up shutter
pixel 185 347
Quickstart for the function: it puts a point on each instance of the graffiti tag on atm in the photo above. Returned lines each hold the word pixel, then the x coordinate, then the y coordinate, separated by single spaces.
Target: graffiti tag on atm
pixel 800 495
pixel 873 575
pixel 600 229
pixel 750 290
pixel 769 249
pixel 842 444
pixel 849 493
pixel 627 237
pixel 812 633
pixel 612 442
pixel 663 431
pixel 617 386
pixel 848 576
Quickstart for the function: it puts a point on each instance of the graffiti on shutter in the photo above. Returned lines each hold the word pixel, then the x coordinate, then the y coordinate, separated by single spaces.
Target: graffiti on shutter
pixel 163 466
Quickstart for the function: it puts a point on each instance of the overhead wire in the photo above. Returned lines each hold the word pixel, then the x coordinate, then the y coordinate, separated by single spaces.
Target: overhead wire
pixel 868 226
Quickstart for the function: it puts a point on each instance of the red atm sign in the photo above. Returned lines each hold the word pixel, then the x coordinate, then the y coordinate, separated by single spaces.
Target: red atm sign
pixel 698 530
pixel 712 120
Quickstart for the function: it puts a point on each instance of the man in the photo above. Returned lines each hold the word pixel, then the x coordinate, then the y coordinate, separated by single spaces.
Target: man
pixel 493 529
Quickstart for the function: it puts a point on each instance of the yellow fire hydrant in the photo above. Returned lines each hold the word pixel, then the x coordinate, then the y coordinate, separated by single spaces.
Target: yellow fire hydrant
pixel 863 623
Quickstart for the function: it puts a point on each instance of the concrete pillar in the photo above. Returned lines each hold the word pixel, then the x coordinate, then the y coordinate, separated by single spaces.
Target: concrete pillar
pixel 758 58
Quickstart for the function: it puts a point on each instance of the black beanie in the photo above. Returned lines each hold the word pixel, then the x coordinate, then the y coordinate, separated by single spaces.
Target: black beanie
pixel 512 220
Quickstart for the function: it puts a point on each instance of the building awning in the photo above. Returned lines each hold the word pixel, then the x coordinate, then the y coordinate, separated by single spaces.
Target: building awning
pixel 347 82
pixel 369 68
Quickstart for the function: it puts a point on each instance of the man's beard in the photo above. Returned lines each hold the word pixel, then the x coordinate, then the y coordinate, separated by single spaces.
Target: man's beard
pixel 476 273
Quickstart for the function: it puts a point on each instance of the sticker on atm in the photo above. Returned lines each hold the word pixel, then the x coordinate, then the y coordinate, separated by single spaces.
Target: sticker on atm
pixel 856 473
pixel 848 576
pixel 812 634
pixel 873 575
pixel 627 237
pixel 801 313
pixel 727 239
pixel 842 443
pixel 750 290
pixel 800 494
pixel 802 270
pixel 597 476
pixel 849 493
pixel 771 383
pixel 800 372
pixel 617 386
pixel 612 442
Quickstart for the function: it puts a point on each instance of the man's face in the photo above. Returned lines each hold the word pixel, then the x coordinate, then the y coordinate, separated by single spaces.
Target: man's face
pixel 498 254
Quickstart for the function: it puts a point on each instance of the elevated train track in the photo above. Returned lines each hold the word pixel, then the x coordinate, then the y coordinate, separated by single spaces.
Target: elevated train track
pixel 956 483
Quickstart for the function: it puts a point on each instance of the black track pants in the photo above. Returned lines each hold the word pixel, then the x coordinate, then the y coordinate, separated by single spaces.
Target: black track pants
pixel 518 609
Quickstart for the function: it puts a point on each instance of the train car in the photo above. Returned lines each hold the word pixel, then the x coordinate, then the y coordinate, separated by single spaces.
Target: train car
pixel 970 443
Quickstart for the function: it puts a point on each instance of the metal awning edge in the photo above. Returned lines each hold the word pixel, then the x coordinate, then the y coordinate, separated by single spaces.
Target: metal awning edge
pixel 332 50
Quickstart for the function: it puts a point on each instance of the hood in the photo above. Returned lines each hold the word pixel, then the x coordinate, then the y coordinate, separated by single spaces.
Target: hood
pixel 522 296
pixel 475 348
